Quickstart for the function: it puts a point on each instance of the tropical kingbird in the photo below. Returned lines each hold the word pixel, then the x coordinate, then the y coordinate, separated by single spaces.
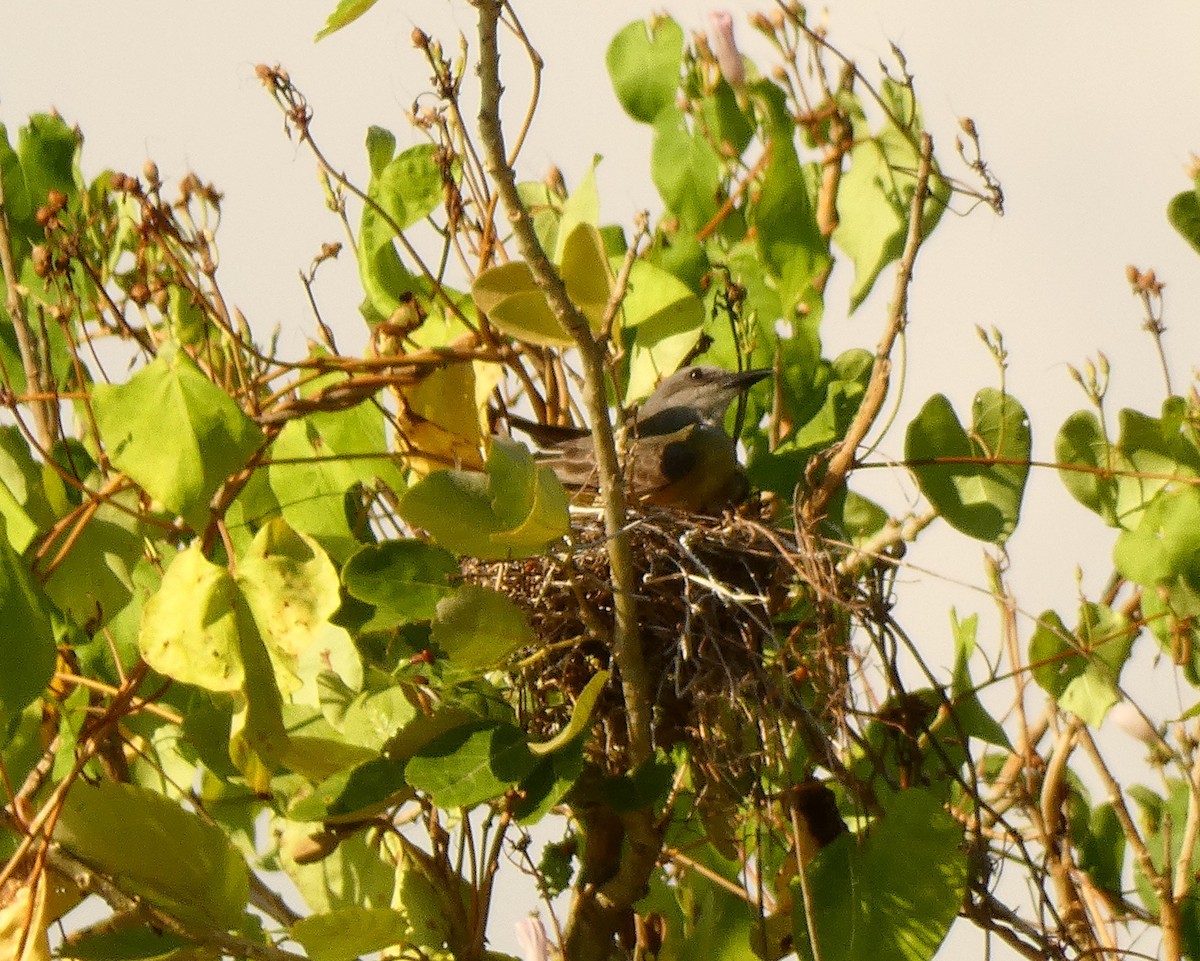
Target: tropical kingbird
pixel 676 451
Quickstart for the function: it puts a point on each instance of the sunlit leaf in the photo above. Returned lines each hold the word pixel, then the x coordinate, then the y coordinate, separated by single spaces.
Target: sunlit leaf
pixel 346 12
pixel 190 628
pixel 477 627
pixel 355 794
pixel 867 901
pixel 354 874
pixel 291 589
pixel 1081 669
pixel 345 934
pixel 581 207
pixel 686 170
pixel 1166 542
pixel 975 480
pixel 440 421
pixel 508 295
pixel 402 579
pixel 645 66
pixel 471 513
pixel 168 855
pixel 211 437
pixel 1081 444
pixel 585 272
pixel 471 764
pixel 969 713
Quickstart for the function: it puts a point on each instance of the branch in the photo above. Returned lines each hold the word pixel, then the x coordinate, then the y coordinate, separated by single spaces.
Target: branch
pixel 627 649
pixel 27 344
pixel 842 461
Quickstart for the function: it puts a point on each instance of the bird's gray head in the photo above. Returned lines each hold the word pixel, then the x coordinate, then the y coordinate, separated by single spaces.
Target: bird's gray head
pixel 693 395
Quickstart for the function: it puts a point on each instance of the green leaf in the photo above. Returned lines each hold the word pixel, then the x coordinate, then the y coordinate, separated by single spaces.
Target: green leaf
pixel 49 152
pixel 1101 844
pixel 374 717
pixel 1161 821
pixel 515 510
pixel 404 190
pixel 291 589
pixel 1183 212
pixel 157 850
pixel 645 66
pixel 509 296
pixel 665 318
pixel 1172 612
pixel 257 738
pixel 548 783
pixel 969 714
pixel 211 438
pixel 983 500
pixel 23 502
pixel 409 188
pixel 402 579
pixel 1166 542
pixel 1080 670
pixel 29 650
pixel 787 235
pixel 581 208
pixel 585 272
pixel 435 900
pixel 477 627
pixel 730 126
pixel 353 795
pixel 312 490
pixel 1151 453
pixel 95 579
pixel 471 765
pixel 139 943
pixel 868 902
pixel 190 628
pixel 346 12
pixel 17 203
pixel 527 498
pixel 352 875
pixel 686 170
pixel 1081 443
pixel 345 934
pixel 581 717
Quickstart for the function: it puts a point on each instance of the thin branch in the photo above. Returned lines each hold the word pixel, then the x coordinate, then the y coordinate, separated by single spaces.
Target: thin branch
pixel 843 457
pixel 627 649
pixel 35 381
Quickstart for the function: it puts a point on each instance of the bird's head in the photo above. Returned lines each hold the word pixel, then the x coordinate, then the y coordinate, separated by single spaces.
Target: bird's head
pixel 694 395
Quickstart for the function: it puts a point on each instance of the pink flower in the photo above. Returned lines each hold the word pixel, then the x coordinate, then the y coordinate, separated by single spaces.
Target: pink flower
pixel 531 934
pixel 1133 722
pixel 725 47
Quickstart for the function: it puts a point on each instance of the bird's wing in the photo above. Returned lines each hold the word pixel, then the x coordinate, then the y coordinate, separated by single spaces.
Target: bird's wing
pixel 546 435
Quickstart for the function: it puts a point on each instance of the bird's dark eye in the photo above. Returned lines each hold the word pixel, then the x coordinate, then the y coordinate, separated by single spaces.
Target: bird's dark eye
pixel 696 373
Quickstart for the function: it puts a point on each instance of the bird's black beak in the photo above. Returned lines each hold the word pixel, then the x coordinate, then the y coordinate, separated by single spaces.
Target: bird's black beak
pixel 748 378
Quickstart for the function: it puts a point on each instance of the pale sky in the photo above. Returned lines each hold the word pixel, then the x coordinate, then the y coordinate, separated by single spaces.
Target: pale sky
pixel 1087 111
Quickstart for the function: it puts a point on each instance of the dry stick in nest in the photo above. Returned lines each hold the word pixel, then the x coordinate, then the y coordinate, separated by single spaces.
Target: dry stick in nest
pixel 708 588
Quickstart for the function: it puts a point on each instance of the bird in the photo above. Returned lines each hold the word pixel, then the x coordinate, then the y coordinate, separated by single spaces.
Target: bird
pixel 676 450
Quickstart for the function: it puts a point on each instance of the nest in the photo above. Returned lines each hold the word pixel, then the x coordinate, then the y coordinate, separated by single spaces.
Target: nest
pixel 711 592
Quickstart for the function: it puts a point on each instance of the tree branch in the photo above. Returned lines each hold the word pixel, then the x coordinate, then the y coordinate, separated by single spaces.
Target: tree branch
pixel 627 649
pixel 35 381
pixel 842 461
